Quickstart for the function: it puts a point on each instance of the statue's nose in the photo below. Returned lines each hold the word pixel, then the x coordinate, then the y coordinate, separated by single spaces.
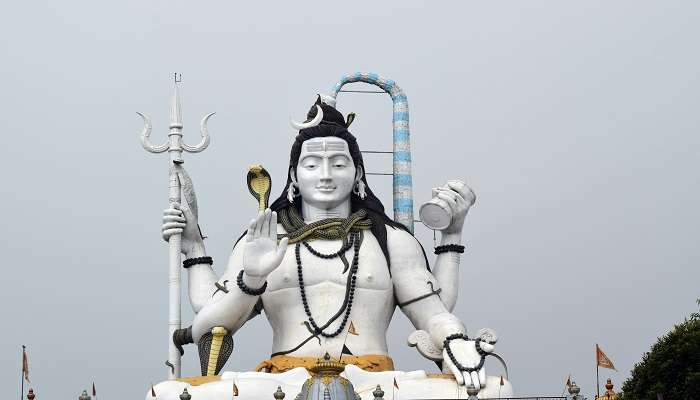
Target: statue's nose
pixel 326 171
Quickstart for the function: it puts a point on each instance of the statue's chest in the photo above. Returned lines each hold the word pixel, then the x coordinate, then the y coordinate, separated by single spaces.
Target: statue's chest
pixel 372 272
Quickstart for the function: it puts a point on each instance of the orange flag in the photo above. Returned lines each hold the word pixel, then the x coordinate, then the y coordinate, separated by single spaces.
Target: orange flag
pixel 603 360
pixel 25 364
pixel 352 330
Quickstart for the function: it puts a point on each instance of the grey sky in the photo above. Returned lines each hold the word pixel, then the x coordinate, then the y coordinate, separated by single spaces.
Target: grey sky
pixel 575 123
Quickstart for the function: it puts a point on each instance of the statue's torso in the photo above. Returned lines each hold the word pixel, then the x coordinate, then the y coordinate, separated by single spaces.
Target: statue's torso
pixel 325 285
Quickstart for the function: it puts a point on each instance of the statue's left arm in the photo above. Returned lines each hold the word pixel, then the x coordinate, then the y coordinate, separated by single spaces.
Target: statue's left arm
pixel 415 290
pixel 457 197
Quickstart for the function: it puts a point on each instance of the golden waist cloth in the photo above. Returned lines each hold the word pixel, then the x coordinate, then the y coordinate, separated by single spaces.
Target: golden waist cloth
pixel 370 362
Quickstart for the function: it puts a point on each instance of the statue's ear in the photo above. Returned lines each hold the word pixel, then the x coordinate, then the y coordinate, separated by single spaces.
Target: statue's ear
pixel 292 175
pixel 359 173
pixel 349 119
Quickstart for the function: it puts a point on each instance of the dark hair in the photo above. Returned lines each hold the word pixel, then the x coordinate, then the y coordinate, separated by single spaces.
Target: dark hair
pixel 374 207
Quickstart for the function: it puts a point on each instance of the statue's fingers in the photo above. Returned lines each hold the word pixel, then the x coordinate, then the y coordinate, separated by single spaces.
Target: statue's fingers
pixel 250 233
pixel 174 225
pixel 172 211
pixel 458 186
pixel 487 347
pixel 265 228
pixel 273 226
pixel 475 380
pixel 167 233
pixel 448 199
pixel 465 191
pixel 258 224
pixel 453 368
pixel 174 217
pixel 467 378
pixel 448 191
pixel 282 248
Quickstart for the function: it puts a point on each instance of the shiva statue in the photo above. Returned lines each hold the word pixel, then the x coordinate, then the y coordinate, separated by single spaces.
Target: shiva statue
pixel 323 261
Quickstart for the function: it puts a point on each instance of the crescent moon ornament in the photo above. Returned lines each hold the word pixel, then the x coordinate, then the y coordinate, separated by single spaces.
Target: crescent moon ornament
pixel 314 122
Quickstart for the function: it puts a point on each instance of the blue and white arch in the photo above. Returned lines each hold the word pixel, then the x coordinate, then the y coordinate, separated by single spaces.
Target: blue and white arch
pixel 403 182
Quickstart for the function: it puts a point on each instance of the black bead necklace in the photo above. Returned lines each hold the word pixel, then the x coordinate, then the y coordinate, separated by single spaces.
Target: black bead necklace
pixel 355 240
pixel 346 245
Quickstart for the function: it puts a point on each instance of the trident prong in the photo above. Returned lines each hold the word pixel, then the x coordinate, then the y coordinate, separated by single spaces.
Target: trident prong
pixel 146 133
pixel 204 143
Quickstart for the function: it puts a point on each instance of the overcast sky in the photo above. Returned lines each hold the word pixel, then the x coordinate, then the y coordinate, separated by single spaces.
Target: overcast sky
pixel 575 123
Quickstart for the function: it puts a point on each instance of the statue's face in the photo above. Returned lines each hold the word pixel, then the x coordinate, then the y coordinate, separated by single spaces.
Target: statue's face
pixel 325 173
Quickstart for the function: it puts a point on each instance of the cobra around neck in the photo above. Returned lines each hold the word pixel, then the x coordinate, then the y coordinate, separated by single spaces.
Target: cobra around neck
pixel 312 213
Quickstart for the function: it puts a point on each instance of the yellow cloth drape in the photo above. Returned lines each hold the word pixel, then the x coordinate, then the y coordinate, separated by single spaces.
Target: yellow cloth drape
pixel 370 362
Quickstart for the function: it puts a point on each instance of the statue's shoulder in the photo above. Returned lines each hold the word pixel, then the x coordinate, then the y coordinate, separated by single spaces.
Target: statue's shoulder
pixel 402 244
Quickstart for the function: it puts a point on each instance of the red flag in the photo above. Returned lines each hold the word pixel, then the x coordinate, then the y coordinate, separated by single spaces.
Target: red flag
pixel 602 359
pixel 25 364
pixel 94 392
pixel 153 392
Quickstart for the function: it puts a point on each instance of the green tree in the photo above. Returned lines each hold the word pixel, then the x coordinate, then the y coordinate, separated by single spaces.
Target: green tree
pixel 671 367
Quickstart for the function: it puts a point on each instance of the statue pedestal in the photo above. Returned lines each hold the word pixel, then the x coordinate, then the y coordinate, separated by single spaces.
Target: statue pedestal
pixel 261 385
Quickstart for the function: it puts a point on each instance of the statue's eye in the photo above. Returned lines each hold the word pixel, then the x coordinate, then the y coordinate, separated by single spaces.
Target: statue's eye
pixel 339 162
pixel 310 163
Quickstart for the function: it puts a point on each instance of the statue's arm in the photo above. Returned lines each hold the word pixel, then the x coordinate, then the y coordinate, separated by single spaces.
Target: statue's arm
pixel 414 288
pixel 253 259
pixel 446 270
pixel 456 196
pixel 200 278
pixel 227 306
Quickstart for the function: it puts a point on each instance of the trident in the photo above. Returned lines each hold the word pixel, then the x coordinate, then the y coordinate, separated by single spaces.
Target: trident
pixel 174 146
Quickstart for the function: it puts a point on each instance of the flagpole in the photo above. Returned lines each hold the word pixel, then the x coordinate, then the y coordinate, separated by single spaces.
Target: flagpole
pixel 597 380
pixel 21 375
pixel 343 347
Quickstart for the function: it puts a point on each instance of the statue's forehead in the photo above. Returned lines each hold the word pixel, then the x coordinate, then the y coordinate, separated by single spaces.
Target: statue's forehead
pixel 325 144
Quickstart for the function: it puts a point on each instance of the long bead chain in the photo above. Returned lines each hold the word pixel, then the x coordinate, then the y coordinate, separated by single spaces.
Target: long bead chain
pixel 350 291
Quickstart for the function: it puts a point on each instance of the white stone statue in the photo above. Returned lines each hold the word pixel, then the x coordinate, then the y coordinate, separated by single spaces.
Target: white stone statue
pixel 329 268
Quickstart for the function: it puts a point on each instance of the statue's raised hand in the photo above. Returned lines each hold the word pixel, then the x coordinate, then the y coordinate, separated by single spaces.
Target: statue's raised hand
pixel 464 353
pixel 262 254
pixel 457 197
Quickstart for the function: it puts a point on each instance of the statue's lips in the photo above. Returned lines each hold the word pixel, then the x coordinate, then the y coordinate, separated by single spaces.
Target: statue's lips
pixel 325 189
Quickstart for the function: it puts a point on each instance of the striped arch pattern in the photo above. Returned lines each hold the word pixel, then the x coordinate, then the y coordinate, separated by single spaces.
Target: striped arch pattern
pixel 403 182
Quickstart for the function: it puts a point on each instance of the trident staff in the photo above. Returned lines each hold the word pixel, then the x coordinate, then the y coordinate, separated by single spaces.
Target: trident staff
pixel 174 146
